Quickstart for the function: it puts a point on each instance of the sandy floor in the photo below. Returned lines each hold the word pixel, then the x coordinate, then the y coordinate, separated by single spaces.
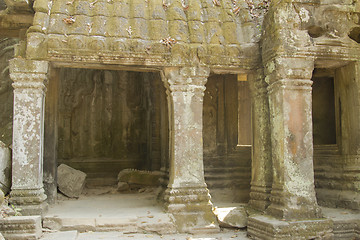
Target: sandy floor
pixel 106 203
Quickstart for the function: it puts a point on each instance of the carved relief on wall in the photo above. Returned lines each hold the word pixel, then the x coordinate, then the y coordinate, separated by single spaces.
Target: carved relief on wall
pixel 101 113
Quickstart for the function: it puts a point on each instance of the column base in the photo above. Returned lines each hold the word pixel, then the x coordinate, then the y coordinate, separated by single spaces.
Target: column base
pixel 192 210
pixel 287 207
pixel 163 182
pixel 29 201
pixel 265 227
pixel 259 197
pixel 51 192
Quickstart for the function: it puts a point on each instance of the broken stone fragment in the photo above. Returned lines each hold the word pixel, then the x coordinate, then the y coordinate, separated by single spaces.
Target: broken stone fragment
pixel 235 217
pixel 139 178
pixel 71 182
pixel 123 187
pixel 1 237
pixel 5 168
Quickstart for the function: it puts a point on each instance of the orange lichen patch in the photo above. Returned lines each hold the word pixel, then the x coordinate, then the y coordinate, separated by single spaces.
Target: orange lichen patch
pixel 69 20
pixel 236 10
pixel 168 42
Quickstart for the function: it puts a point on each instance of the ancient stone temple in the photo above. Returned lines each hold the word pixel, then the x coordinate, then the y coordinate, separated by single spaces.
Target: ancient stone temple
pixel 256 97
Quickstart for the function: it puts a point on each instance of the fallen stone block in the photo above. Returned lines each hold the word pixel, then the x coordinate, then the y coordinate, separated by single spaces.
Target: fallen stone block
pixel 1 237
pixel 161 225
pixel 21 227
pixel 71 182
pixel 138 178
pixel 5 168
pixel 234 217
pixel 69 224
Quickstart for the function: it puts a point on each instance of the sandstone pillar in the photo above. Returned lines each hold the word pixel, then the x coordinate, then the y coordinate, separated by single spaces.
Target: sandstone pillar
pixel 293 191
pixel 27 190
pixel 51 136
pixel 261 168
pixel 187 196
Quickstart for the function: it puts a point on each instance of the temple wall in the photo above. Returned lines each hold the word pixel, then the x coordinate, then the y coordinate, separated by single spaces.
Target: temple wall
pixel 227 165
pixel 109 121
pixel 337 165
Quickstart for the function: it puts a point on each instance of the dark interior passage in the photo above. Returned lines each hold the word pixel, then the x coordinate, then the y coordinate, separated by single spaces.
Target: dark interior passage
pixel 227 114
pixel 324 127
pixel 109 121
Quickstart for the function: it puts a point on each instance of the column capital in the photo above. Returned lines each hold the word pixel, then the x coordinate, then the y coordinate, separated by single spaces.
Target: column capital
pixel 28 73
pixel 20 65
pixel 185 78
pixel 288 68
pixel 257 83
pixel 291 84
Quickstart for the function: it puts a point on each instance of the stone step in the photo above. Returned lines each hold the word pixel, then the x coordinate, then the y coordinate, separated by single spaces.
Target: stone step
pixel 21 227
pixel 66 235
pixel 161 224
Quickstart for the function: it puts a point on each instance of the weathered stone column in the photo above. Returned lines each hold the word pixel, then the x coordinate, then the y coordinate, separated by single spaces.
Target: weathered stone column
pixel 27 190
pixel 261 168
pixel 187 196
pixel 293 190
pixel 51 136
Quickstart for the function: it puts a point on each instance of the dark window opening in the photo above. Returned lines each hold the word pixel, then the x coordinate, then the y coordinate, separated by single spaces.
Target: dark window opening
pixel 323 114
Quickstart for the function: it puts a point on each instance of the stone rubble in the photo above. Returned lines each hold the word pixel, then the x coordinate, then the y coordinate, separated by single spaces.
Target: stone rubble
pixel 235 217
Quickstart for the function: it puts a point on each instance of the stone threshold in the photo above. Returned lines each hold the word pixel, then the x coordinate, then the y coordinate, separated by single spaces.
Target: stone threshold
pixel 159 223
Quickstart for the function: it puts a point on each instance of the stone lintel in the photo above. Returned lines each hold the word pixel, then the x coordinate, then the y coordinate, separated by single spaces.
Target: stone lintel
pixel 263 227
